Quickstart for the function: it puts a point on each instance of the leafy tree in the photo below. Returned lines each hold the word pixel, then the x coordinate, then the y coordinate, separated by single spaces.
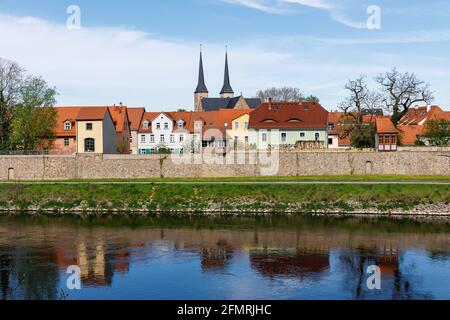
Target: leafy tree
pixel 181 110
pixel 401 91
pixel 285 94
pixel 312 98
pixel 34 118
pixel 363 136
pixel 438 132
pixel 11 81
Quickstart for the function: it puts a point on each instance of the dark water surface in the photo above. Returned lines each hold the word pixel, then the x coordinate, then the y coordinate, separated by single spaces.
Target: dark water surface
pixel 226 258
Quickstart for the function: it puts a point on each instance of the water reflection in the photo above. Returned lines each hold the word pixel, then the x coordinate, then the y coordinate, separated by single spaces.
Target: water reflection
pixel 302 259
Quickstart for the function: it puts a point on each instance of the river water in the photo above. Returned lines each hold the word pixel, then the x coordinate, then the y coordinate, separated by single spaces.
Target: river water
pixel 223 258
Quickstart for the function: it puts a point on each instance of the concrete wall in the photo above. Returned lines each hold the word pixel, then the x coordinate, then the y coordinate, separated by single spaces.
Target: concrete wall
pixel 290 164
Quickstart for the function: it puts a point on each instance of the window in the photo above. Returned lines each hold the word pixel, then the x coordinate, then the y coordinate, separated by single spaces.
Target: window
pixel 158 126
pixel 152 138
pixel 143 138
pixel 89 145
pixel 302 134
pixel 166 126
pixel 67 126
pixel 66 142
pixel 161 138
pixel 142 151
pixel 246 125
pixel 204 144
pixel 381 139
pixel 236 125
pixel 46 151
pixel 264 137
pixel 330 140
pixel 317 136
pixel 172 138
pixel 236 139
pixel 145 124
pixel 89 126
pixel 181 138
pixel 181 124
pixel 246 140
pixel 283 137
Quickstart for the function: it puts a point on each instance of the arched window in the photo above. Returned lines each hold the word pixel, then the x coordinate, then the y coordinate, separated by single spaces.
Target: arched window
pixel 89 145
pixel 67 126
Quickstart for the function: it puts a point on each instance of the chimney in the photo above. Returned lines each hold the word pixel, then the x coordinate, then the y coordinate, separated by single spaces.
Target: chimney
pixel 270 103
pixel 428 107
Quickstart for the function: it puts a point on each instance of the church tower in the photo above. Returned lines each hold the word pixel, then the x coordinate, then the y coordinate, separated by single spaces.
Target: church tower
pixel 201 91
pixel 227 91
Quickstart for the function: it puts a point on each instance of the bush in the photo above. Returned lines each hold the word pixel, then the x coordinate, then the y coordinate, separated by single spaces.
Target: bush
pixel 363 137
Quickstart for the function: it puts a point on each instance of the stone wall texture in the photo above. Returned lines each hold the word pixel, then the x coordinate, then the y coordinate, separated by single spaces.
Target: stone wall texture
pixel 284 164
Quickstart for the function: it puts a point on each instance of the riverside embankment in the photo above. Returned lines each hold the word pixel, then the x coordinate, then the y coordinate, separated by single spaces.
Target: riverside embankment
pixel 216 198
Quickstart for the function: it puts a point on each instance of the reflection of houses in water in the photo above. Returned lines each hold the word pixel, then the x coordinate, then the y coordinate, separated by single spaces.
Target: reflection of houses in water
pixel 388 259
pixel 98 261
pixel 294 263
pixel 216 258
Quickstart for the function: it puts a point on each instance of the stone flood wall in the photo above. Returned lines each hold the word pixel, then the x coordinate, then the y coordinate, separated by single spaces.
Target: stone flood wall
pixel 281 164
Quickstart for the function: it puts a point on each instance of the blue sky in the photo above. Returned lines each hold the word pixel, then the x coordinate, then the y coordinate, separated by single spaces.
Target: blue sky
pixel 145 53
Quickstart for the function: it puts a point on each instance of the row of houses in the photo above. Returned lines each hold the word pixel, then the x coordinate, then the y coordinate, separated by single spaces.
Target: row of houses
pixel 298 125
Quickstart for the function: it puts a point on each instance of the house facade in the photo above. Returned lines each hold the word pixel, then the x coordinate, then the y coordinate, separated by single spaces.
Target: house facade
pixel 65 141
pixel 119 116
pixel 168 131
pixel 386 135
pixel 95 131
pixel 135 117
pixel 303 125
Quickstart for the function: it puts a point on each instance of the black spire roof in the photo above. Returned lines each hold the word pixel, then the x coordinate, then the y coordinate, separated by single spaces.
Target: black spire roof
pixel 226 82
pixel 201 87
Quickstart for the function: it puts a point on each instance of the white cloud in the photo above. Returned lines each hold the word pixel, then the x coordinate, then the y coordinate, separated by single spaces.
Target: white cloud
pixel 107 65
pixel 337 9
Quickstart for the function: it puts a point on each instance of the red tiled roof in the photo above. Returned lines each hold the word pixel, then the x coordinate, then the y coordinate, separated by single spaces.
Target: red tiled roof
pixel 91 113
pixel 289 115
pixel 148 116
pixel 135 117
pixel 409 133
pixel 385 125
pixel 421 115
pixel 119 116
pixel 65 114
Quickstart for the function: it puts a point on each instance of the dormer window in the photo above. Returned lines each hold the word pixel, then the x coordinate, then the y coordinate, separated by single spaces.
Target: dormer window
pixel 145 124
pixel 181 124
pixel 67 126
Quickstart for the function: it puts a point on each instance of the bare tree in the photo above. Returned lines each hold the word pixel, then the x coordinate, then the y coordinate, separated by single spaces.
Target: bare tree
pixel 360 98
pixel 402 91
pixel 285 94
pixel 11 80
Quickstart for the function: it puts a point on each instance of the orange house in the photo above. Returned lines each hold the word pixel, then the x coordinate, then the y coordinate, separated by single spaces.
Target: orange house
pixel 386 135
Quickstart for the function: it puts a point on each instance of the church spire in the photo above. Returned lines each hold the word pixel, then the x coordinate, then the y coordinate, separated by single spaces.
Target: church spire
pixel 227 91
pixel 201 87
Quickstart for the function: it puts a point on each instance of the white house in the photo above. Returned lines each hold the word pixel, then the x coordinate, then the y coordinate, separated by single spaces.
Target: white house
pixel 163 131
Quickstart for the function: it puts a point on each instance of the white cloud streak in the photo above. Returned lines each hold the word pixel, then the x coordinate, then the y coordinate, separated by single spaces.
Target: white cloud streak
pixel 107 65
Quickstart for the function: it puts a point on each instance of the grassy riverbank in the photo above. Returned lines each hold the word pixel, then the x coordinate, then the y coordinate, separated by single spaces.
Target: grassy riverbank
pixel 217 198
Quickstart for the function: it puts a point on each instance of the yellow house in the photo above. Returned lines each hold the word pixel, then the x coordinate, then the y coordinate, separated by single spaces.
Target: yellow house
pixel 96 132
pixel 236 126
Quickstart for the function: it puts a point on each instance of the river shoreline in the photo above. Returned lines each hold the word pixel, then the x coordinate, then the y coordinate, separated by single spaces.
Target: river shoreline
pixel 434 210
pixel 228 200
